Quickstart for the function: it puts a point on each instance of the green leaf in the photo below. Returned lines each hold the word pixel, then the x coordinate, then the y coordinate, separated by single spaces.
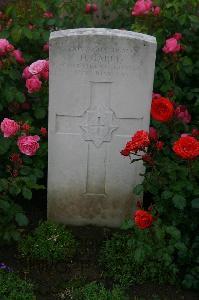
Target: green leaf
pixel 21 219
pixel 1 107
pixel 186 61
pixel 166 75
pixel 38 173
pixel 14 190
pixel 42 5
pixel 138 189
pixel 20 97
pixel 27 193
pixel 195 203
pixel 179 201
pixel 194 19
pixel 4 145
pixel 3 184
pixel 40 113
pixel 16 33
pixel 166 195
pixel 127 224
pixel 5 205
pixel 27 32
pixel 174 232
pixel 139 255
pixel 25 170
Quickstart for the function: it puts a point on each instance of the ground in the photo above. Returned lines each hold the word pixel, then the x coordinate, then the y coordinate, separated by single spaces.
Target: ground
pixel 53 281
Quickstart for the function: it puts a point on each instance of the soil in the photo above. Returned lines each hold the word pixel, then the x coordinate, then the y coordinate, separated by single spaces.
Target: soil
pixel 54 281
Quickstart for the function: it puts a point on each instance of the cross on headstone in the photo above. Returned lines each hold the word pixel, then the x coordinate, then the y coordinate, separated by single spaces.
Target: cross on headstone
pixel 98 124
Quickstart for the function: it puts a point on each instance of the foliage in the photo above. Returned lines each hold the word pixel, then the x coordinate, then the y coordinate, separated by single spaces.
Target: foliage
pixel 50 242
pixel 139 256
pixel 14 288
pixel 171 184
pixel 20 174
pixel 96 291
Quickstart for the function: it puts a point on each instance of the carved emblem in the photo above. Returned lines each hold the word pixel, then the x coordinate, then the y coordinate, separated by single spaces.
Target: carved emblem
pixel 99 125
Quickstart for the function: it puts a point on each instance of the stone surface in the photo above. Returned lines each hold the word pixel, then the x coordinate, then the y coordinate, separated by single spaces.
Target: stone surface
pixel 100 95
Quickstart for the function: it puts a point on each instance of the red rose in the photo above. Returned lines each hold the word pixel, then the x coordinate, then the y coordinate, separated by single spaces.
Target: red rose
pixel 159 145
pixel 148 159
pixel 162 109
pixel 186 147
pixel 26 105
pixel 153 133
pixel 195 132
pixel 16 158
pixel 26 127
pixel 143 219
pixel 126 151
pixel 139 141
pixel 43 131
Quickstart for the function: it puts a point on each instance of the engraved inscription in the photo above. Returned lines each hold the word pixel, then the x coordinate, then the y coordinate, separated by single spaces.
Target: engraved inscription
pixel 101 61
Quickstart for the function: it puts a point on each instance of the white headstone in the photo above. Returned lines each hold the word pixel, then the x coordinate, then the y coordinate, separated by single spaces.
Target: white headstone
pixel 100 94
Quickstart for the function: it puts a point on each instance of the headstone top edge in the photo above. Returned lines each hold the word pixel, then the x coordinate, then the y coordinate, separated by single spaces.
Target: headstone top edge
pixel 103 32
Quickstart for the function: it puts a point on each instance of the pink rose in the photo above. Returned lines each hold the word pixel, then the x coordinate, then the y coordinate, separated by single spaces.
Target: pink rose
pixel 45 72
pixel 94 7
pixel 38 66
pixel 177 36
pixel 171 46
pixel 4 44
pixel 31 26
pixel 182 113
pixel 156 96
pixel 142 7
pixel 9 127
pixel 10 48
pixel 33 84
pixel 18 56
pixel 184 134
pixel 48 15
pixel 91 8
pixel 9 23
pixel 26 73
pixel 46 47
pixel 88 8
pixel 156 10
pixel 28 144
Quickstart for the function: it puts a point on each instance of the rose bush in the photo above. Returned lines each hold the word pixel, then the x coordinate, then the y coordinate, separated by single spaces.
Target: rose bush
pixel 171 180
pixel 20 174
